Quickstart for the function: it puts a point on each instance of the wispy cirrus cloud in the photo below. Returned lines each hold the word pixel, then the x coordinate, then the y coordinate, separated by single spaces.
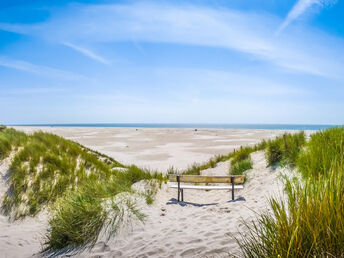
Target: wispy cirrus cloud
pixel 244 32
pixel 87 53
pixel 300 8
pixel 38 69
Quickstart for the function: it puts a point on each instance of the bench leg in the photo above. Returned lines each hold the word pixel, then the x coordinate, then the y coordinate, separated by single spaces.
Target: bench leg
pixel 232 181
pixel 182 194
pixel 178 195
pixel 232 194
pixel 178 180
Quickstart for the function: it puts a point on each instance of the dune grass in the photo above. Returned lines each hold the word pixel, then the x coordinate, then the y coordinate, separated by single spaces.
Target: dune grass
pixel 241 160
pixel 309 222
pixel 237 155
pixel 285 149
pixel 324 150
pixel 241 166
pixel 45 167
pixel 78 219
pixel 10 139
pixel 76 183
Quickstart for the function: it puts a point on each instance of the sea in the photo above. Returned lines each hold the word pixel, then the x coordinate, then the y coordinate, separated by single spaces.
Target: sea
pixel 195 126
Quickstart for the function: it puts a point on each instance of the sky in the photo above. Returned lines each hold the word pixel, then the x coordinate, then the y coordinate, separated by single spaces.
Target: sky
pixel 238 61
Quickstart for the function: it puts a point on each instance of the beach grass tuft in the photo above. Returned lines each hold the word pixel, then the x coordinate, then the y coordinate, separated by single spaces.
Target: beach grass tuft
pixel 241 166
pixel 324 151
pixel 310 223
pixel 309 220
pixel 285 149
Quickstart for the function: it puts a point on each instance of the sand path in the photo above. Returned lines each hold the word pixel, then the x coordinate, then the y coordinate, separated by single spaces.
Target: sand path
pixel 202 225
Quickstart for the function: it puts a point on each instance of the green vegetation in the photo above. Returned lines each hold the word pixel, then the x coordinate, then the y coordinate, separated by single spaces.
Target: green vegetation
pixel 285 149
pixel 44 168
pixel 195 168
pixel 77 184
pixel 10 139
pixel 310 221
pixel 241 166
pixel 241 160
pixel 78 219
pixel 324 151
pixel 309 224
pixel 241 154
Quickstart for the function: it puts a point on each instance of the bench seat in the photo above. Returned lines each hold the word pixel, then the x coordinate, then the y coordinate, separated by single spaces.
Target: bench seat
pixel 207 187
pixel 235 182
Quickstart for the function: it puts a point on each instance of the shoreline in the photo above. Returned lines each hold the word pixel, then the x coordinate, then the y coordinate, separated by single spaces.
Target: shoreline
pixel 198 126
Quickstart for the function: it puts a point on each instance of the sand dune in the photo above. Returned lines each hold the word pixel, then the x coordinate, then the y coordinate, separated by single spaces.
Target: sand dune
pixel 21 238
pixel 199 227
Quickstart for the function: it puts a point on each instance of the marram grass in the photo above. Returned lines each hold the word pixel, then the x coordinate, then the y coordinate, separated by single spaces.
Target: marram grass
pixel 74 182
pixel 324 151
pixel 241 166
pixel 309 221
pixel 236 155
pixel 285 149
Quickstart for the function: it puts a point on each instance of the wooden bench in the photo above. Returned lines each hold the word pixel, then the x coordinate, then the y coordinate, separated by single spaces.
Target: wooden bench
pixel 235 182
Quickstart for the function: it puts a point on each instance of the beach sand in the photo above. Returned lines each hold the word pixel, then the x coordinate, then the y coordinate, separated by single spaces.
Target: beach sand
pixel 199 227
pixel 159 149
pixel 203 225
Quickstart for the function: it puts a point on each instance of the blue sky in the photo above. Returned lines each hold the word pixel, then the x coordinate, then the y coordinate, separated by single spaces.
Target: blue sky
pixel 239 61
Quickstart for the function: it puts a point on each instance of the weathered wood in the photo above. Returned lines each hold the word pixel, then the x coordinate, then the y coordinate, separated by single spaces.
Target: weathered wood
pixel 206 179
pixel 207 187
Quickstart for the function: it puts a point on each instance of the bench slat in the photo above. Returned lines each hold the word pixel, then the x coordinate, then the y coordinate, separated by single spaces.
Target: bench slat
pixel 206 179
pixel 207 187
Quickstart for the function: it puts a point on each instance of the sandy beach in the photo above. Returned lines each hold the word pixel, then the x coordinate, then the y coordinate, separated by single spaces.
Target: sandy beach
pixel 199 227
pixel 159 149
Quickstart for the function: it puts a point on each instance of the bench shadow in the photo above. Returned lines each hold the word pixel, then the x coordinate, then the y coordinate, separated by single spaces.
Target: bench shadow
pixel 183 203
pixel 240 199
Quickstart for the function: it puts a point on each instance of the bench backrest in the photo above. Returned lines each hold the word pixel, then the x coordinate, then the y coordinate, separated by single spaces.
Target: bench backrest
pixel 206 179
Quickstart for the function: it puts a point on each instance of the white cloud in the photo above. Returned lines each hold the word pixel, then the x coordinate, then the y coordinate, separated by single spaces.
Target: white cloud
pixel 246 32
pixel 87 53
pixel 300 8
pixel 38 69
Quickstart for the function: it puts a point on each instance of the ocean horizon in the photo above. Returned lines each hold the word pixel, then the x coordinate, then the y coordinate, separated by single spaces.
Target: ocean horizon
pixel 194 126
